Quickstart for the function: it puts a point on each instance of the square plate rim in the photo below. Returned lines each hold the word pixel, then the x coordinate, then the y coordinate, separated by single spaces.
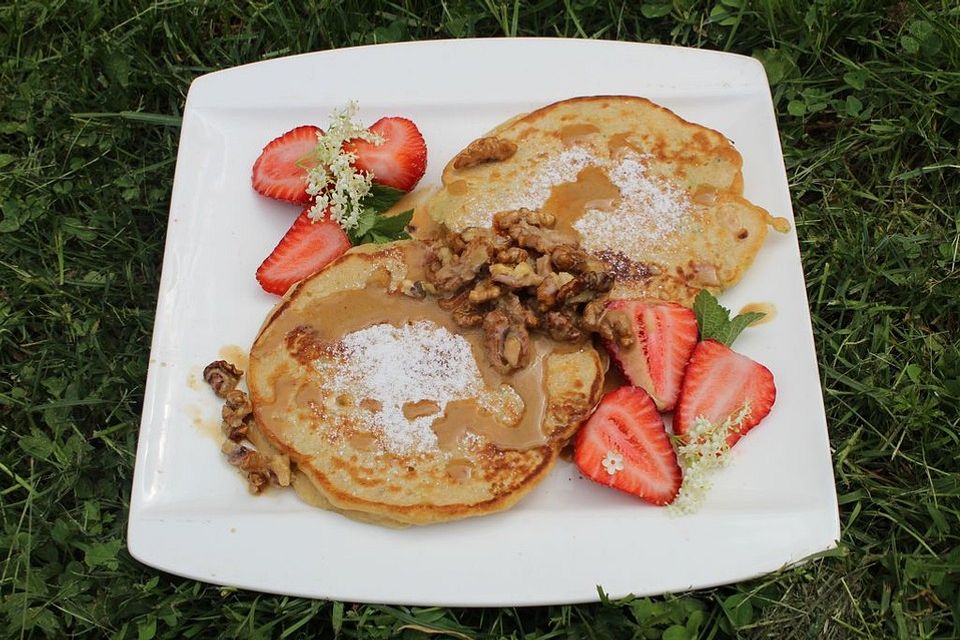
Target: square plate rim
pixel 137 515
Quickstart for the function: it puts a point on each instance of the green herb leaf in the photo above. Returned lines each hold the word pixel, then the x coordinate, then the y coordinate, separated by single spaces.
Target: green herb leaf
pixel 714 319
pixel 366 220
pixel 372 226
pixel 381 198
pixel 382 228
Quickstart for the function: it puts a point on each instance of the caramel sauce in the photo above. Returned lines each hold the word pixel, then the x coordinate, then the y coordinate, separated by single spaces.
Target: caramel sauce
pixel 574 134
pixel 458 187
pixel 209 428
pixel 766 308
pixel 460 469
pixel 363 440
pixel 705 195
pixel 235 355
pixel 570 200
pixel 371 405
pixel 507 431
pixel 330 318
pixel 419 409
pixel 619 144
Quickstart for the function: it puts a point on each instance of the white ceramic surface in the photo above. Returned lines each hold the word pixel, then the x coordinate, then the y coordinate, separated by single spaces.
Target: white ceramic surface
pixel 190 513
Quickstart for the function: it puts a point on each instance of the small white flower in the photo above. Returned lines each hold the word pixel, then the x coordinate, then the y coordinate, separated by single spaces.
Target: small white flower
pixel 613 462
pixel 704 451
pixel 333 179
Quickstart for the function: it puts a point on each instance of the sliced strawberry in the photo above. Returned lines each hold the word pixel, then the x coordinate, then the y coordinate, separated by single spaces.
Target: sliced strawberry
pixel 277 174
pixel 666 334
pixel 624 445
pixel 402 158
pixel 718 384
pixel 306 248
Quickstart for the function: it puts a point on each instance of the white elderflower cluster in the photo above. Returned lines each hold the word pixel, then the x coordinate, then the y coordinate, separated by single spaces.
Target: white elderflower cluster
pixel 332 179
pixel 704 451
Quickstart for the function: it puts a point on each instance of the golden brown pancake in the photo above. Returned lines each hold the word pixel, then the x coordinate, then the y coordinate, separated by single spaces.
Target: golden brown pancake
pixel 657 198
pixel 390 412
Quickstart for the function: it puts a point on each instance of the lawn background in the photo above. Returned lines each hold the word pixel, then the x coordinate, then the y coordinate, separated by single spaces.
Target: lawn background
pixel 868 101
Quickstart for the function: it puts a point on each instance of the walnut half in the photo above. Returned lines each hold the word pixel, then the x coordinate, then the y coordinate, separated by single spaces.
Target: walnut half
pixel 222 377
pixel 484 150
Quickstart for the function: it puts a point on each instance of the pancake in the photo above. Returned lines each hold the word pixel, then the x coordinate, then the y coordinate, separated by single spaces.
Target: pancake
pixel 657 198
pixel 389 411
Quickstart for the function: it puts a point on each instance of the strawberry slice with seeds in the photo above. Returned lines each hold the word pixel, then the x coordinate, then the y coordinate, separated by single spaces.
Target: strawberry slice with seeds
pixel 402 158
pixel 625 445
pixel 280 171
pixel 307 247
pixel 665 336
pixel 721 384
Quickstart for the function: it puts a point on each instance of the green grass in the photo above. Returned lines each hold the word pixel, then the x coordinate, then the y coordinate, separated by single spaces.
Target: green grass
pixel 868 99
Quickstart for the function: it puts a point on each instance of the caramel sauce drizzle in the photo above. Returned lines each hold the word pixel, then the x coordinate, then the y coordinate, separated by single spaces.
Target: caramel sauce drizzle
pixel 571 200
pixel 766 308
pixel 329 318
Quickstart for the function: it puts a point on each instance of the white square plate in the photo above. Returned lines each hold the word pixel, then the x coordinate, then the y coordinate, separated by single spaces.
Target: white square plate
pixel 190 513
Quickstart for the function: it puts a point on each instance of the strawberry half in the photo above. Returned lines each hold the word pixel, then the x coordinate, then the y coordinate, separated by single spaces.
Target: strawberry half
pixel 624 445
pixel 719 382
pixel 666 334
pixel 306 248
pixel 402 158
pixel 276 173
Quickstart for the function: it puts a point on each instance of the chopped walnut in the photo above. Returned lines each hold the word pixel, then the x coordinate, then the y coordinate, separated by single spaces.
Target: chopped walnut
pixel 585 287
pixel 484 150
pixel 222 377
pixel 503 221
pixel 516 276
pixel 464 313
pixel 618 326
pixel 529 236
pixel 517 311
pixel 562 326
pixel 568 258
pixel 613 326
pixel 259 469
pixel 413 289
pixel 236 413
pixel 484 290
pixel 544 266
pixel 507 342
pixel 513 255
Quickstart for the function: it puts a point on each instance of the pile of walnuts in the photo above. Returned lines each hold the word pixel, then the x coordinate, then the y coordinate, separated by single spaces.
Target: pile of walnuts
pixel 519 277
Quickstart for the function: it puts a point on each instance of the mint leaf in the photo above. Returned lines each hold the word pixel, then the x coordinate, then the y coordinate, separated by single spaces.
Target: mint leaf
pixel 714 320
pixel 372 226
pixel 384 229
pixel 365 222
pixel 381 198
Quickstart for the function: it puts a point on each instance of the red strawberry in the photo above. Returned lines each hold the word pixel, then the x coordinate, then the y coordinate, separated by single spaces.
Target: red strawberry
pixel 718 383
pixel 276 173
pixel 306 248
pixel 666 335
pixel 626 436
pixel 402 158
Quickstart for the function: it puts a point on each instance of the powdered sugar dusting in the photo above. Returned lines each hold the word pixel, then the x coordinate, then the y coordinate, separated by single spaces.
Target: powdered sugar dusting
pixel 397 365
pixel 650 210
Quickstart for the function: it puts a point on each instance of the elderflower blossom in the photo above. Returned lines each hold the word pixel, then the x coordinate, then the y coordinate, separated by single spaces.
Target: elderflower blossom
pixel 705 451
pixel 332 179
